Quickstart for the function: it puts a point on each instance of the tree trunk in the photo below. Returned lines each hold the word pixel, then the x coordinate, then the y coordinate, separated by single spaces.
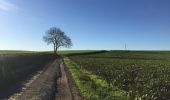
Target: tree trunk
pixel 54 49
pixel 55 52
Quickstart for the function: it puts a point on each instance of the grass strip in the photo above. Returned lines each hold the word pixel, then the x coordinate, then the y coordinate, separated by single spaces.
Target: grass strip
pixel 91 86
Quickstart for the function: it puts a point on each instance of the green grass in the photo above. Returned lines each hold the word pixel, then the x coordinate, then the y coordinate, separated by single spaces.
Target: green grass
pixel 74 51
pixel 142 74
pixel 91 86
pixel 64 52
pixel 60 52
pixel 15 52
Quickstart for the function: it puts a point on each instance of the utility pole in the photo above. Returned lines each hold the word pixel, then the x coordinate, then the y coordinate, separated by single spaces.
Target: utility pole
pixel 125 47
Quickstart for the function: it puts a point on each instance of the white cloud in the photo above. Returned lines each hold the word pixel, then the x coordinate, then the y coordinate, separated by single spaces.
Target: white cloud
pixel 7 6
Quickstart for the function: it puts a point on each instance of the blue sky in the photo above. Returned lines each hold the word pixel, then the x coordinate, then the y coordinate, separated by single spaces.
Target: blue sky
pixel 91 24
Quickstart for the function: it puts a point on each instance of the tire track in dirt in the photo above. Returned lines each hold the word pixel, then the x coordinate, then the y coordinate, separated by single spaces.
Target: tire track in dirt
pixel 64 92
pixel 53 83
pixel 43 86
pixel 66 89
pixel 27 84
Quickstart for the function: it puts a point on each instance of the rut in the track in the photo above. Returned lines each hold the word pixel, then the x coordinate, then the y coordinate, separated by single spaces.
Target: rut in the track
pixel 43 86
pixel 65 87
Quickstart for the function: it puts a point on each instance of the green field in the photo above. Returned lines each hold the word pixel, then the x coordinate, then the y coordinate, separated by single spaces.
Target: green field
pixel 111 75
pixel 60 52
pixel 15 52
pixel 64 52
pixel 16 66
pixel 134 75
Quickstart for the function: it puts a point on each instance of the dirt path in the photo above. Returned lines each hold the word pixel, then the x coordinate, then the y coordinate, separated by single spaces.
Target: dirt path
pixel 64 92
pixel 26 85
pixel 53 83
pixel 65 87
pixel 41 87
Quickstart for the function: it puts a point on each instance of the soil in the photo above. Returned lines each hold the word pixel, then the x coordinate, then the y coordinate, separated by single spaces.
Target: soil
pixel 66 88
pixel 42 86
pixel 52 83
pixel 26 85
pixel 14 65
pixel 74 89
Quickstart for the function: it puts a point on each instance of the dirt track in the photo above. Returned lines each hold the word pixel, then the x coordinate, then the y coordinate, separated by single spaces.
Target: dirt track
pixel 43 86
pixel 66 87
pixel 64 92
pixel 53 83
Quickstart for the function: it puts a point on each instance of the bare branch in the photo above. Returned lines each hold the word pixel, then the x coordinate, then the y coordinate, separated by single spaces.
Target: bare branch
pixel 58 38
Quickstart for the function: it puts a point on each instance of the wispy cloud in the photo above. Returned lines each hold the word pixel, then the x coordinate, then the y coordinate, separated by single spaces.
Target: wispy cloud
pixel 7 6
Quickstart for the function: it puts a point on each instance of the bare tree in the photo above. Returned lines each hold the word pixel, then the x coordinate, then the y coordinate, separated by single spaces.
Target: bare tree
pixel 58 38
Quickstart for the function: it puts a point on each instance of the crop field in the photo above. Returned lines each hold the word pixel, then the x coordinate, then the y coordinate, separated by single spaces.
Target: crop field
pixel 99 75
pixel 38 69
pixel 15 68
pixel 16 52
pixel 65 52
pixel 125 75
